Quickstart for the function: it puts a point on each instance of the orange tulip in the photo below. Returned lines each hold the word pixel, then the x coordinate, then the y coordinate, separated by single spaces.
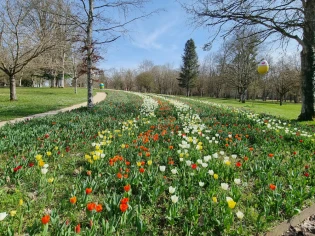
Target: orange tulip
pixel 73 200
pixel 45 219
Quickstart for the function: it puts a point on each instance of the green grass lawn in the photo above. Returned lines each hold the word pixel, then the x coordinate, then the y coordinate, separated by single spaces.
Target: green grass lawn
pixel 288 111
pixel 38 100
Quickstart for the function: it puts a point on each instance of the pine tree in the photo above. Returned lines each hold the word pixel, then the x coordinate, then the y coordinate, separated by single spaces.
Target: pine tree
pixel 189 69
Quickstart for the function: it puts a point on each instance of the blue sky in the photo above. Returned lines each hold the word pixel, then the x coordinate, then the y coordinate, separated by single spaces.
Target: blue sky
pixel 161 39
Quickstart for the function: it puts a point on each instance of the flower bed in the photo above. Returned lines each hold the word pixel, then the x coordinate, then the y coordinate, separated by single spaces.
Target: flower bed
pixel 142 165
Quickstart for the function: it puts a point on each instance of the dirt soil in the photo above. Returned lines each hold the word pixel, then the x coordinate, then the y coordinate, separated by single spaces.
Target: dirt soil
pixel 306 228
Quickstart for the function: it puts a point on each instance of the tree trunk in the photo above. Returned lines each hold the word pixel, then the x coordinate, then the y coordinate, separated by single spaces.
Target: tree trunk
pixel 90 103
pixel 308 63
pixel 13 96
pixel 75 85
pixel 307 96
pixel 62 82
pixel 281 100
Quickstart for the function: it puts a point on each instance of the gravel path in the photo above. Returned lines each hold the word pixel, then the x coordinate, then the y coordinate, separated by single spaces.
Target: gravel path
pixel 96 99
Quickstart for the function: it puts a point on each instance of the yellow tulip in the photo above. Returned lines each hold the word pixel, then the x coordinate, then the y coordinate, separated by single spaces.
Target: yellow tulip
pixel 12 213
pixel 215 176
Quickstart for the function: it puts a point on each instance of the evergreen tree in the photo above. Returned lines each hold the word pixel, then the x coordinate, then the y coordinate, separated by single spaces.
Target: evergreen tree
pixel 189 69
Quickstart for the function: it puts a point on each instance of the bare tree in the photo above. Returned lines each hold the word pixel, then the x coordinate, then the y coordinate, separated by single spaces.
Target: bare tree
pixel 108 19
pixel 23 37
pixel 285 77
pixel 289 19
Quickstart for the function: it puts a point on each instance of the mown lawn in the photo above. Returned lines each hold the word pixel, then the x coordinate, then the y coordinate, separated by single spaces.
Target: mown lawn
pixel 38 100
pixel 289 111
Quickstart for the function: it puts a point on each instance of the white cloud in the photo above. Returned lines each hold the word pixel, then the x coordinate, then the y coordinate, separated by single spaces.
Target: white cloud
pixel 151 40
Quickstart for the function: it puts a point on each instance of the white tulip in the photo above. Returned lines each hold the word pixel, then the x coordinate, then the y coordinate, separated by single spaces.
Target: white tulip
pixel 188 163
pixel 221 153
pixel 162 168
pixel 211 172
pixel 201 184
pixel 171 189
pixel 204 165
pixel 237 181
pixel 199 161
pixel 240 214
pixel 174 171
pixel 44 171
pixel 234 156
pixel 207 158
pixel 215 155
pixel 174 198
pixel 224 186
pixel 3 215
pixel 45 166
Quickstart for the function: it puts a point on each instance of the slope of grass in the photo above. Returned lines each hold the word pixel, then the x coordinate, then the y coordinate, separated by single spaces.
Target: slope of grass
pixel 289 111
pixel 38 100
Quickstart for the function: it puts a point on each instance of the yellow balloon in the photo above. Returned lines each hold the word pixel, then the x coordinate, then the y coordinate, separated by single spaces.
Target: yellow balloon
pixel 263 67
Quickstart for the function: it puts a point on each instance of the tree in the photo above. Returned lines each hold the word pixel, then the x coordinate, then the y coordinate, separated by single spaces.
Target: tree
pixel 285 78
pixel 189 69
pixel 108 21
pixel 145 81
pixel 289 19
pixel 24 35
pixel 242 67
